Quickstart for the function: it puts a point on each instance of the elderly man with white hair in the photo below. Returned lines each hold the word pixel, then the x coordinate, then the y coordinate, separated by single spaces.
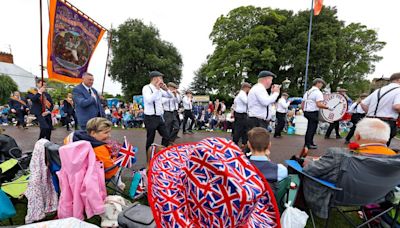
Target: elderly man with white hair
pixel 371 135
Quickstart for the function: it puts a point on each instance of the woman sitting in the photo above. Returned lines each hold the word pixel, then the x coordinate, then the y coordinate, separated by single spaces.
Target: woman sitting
pixel 98 131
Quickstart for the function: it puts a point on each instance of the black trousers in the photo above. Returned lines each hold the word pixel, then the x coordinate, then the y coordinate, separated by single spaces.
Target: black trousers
pixel 240 128
pixel 188 115
pixel 355 118
pixel 171 124
pixel 152 124
pixel 334 125
pixel 45 125
pixel 393 129
pixel 312 125
pixel 20 114
pixel 280 123
pixel 256 122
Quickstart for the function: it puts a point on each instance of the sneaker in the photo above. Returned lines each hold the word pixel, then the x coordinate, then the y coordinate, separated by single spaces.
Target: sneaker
pixel 5 124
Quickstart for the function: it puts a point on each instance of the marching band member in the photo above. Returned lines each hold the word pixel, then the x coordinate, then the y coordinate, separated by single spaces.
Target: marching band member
pixel 240 115
pixel 335 124
pixel 170 109
pixel 312 102
pixel 188 112
pixel 153 108
pixel 42 105
pixel 384 104
pixel 357 113
pixel 259 100
pixel 281 111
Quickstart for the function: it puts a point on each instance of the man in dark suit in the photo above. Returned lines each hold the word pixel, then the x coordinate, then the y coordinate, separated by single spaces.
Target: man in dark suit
pixel 42 105
pixel 19 107
pixel 87 101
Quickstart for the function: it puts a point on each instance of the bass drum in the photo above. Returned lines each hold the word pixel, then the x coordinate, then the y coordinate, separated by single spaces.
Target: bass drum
pixel 339 104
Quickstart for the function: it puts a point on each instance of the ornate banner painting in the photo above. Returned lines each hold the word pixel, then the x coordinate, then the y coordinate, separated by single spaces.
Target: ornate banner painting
pixel 73 37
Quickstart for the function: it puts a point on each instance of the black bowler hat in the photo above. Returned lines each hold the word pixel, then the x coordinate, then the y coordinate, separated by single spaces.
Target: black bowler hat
pixel 266 73
pixel 155 74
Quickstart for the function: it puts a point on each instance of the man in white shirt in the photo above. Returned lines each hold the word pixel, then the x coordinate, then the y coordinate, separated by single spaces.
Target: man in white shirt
pixel 335 124
pixel 282 107
pixel 259 100
pixel 188 113
pixel 153 108
pixel 384 103
pixel 357 113
pixel 312 102
pixel 170 109
pixel 240 115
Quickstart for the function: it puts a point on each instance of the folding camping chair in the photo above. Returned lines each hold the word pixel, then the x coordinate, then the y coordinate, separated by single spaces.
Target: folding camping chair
pixel 362 180
pixel 285 193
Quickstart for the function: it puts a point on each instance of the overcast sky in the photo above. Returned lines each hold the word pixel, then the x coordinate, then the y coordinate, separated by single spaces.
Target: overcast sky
pixel 186 24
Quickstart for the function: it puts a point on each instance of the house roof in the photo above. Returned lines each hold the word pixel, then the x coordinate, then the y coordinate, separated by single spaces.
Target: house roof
pixel 24 79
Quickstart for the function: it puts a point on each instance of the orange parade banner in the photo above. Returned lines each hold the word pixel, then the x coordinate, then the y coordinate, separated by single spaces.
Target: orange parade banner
pixel 72 39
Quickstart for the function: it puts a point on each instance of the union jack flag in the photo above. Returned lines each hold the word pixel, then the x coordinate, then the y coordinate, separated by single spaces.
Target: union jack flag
pixel 209 184
pixel 126 155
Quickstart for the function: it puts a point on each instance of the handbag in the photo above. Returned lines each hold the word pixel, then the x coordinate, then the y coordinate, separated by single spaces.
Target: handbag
pixel 7 209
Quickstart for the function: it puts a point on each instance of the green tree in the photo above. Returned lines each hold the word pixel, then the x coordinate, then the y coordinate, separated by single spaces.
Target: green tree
pixel 7 86
pixel 250 39
pixel 58 90
pixel 138 49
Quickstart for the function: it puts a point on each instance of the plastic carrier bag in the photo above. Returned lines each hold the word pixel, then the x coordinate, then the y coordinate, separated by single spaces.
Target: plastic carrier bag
pixel 293 217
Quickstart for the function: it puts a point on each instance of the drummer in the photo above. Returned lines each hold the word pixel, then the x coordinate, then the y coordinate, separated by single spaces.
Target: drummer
pixel 312 102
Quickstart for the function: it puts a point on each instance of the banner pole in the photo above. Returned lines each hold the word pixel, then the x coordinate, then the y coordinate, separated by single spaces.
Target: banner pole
pixel 108 55
pixel 308 47
pixel 41 51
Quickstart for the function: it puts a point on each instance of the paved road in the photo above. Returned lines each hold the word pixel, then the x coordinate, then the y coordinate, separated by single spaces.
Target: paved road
pixel 282 148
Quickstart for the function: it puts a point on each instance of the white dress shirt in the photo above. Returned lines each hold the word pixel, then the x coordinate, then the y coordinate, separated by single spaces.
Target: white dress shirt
pixel 356 108
pixel 282 105
pixel 91 91
pixel 152 99
pixel 259 101
pixel 187 103
pixel 169 104
pixel 311 97
pixel 385 107
pixel 178 101
pixel 240 102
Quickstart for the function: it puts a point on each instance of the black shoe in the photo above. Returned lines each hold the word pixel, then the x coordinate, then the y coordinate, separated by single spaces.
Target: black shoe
pixel 191 132
pixel 338 136
pixel 326 137
pixel 312 147
pixel 186 132
pixel 346 142
pixel 277 136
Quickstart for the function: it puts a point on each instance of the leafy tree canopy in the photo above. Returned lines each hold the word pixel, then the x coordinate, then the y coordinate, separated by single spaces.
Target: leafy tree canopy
pixel 138 49
pixel 250 39
pixel 7 86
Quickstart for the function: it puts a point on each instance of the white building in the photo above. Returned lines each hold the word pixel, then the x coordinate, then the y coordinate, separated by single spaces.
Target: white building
pixel 24 79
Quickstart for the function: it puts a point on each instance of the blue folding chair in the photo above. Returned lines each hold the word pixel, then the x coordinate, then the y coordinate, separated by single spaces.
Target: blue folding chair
pixel 374 176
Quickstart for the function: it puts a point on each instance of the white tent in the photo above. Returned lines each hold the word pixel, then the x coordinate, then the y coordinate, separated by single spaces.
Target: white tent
pixel 24 79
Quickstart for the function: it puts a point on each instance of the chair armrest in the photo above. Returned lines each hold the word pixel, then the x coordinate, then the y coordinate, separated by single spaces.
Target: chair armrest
pixel 296 166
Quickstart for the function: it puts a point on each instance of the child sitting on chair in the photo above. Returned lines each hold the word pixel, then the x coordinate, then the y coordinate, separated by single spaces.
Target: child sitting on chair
pixel 98 131
pixel 259 144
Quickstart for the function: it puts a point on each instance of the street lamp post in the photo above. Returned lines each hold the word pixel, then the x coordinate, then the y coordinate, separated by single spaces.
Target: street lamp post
pixel 286 84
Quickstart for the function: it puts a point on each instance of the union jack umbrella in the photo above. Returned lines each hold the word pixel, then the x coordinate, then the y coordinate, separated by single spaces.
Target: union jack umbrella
pixel 209 184
pixel 126 155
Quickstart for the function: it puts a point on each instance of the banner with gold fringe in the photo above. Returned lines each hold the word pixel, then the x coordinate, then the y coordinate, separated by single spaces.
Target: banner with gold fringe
pixel 73 37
